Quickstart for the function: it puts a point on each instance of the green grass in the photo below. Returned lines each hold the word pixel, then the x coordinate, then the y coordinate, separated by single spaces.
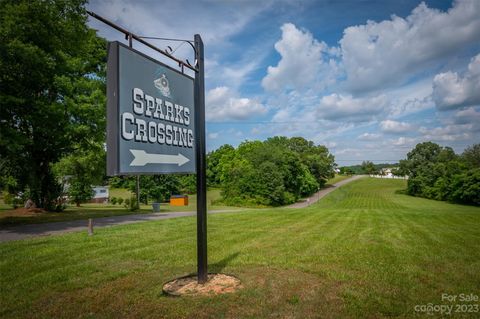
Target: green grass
pixel 89 210
pixel 362 251
pixel 120 192
pixel 337 178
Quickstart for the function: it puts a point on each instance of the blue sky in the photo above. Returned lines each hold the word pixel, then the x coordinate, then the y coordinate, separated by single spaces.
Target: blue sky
pixel 368 79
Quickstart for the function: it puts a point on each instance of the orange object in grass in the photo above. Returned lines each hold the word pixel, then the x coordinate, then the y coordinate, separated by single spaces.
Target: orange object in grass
pixel 179 200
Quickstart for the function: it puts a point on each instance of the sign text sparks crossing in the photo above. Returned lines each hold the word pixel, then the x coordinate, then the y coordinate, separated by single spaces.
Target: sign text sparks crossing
pixel 151 127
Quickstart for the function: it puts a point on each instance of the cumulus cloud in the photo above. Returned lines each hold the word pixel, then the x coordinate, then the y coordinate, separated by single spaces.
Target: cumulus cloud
pixel 404 141
pixel 301 62
pixel 467 116
pixel 223 104
pixel 338 106
pixel 448 133
pixel 389 126
pixel 380 54
pixel 451 90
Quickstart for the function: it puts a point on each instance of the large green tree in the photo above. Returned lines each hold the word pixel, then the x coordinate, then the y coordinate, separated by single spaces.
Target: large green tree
pixel 277 171
pixel 436 172
pixel 213 161
pixel 51 90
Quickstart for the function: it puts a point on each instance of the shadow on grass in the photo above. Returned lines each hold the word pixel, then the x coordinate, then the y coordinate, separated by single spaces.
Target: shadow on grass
pixel 220 265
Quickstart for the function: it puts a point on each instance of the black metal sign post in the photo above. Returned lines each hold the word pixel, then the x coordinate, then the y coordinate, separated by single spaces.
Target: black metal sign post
pixel 199 129
pixel 199 102
pixel 137 184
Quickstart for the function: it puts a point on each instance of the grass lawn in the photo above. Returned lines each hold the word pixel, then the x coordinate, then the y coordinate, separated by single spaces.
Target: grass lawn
pixel 85 211
pixel 119 192
pixel 362 251
pixel 337 178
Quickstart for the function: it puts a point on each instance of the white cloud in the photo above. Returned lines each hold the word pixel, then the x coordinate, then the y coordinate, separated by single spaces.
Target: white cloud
pixel 181 18
pixel 330 144
pixel 404 141
pixel 369 137
pixel 338 106
pixel 301 64
pixel 449 133
pixel 408 106
pixel 389 126
pixel 237 72
pixel 381 54
pixel 467 116
pixel 468 119
pixel 450 90
pixel 213 136
pixel 223 104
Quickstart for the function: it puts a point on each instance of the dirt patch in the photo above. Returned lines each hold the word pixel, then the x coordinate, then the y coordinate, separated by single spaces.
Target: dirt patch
pixel 216 284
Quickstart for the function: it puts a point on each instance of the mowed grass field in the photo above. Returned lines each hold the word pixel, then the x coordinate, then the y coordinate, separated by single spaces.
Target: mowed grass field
pixel 364 251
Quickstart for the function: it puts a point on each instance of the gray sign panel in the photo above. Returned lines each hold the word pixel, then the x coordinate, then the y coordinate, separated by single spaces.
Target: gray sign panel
pixel 150 115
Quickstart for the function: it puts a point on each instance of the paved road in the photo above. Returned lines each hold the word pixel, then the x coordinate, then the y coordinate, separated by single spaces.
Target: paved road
pixel 26 231
pixel 315 197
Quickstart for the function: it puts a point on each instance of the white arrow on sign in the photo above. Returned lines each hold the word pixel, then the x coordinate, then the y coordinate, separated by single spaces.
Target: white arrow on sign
pixel 142 158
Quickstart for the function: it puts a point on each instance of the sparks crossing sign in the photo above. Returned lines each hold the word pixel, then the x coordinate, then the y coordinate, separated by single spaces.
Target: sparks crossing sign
pixel 150 115
pixel 156 119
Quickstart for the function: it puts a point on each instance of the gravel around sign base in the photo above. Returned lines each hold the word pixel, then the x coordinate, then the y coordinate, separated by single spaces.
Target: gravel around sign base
pixel 216 284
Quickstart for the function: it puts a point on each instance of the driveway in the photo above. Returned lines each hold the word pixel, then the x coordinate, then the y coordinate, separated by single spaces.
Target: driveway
pixel 318 195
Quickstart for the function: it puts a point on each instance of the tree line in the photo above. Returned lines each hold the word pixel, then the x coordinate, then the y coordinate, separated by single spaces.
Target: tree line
pixel 439 173
pixel 369 168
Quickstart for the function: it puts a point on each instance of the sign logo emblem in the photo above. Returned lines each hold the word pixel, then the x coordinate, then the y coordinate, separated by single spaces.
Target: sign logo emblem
pixel 162 85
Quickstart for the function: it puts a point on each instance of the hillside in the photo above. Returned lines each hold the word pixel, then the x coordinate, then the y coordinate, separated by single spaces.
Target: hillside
pixel 362 251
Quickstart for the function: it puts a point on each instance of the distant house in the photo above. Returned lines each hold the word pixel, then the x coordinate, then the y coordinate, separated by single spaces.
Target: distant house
pixel 387 173
pixel 100 194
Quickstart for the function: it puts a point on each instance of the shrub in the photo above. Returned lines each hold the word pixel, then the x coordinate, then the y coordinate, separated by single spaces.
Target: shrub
pixel 8 198
pixel 466 187
pixel 120 201
pixel 113 200
pixel 131 204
